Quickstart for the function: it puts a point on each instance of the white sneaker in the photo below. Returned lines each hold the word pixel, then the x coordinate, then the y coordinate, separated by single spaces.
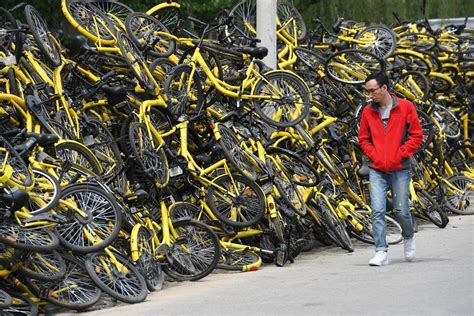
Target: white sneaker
pixel 410 249
pixel 380 259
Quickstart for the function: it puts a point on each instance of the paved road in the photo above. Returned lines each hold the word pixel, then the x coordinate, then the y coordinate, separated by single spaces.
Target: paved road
pixel 329 281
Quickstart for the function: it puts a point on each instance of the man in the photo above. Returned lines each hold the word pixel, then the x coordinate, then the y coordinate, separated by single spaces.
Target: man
pixel 389 135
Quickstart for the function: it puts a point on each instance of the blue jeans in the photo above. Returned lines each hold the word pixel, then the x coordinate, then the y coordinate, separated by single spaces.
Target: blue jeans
pixel 398 182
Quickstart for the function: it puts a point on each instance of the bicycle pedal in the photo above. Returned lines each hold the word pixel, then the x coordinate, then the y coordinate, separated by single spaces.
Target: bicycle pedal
pixel 281 255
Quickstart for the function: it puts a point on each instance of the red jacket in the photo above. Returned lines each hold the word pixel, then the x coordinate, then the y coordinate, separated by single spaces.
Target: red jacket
pixel 389 148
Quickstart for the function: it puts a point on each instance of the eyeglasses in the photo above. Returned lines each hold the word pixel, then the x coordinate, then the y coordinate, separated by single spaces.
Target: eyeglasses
pixel 369 91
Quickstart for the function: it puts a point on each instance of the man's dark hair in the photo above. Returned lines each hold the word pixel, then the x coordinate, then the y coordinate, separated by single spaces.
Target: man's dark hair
pixel 380 77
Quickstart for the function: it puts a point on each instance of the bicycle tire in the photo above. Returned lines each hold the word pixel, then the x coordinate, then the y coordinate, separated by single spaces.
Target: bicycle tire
pixel 286 10
pixel 169 15
pixel 412 60
pixel 149 156
pixel 283 93
pixel 231 148
pixel 236 259
pixel 75 291
pixel 48 190
pixel 201 255
pixel 431 208
pixel 149 268
pixel 44 267
pixel 127 286
pixel 181 101
pixel 37 239
pixel 303 172
pixel 79 154
pixel 21 305
pixel 42 36
pixel 21 174
pixel 5 299
pixel 214 64
pixel 417 41
pixel 383 41
pixel 459 202
pixel 450 124
pixel 103 220
pixel 250 197
pixel 161 68
pixel 288 191
pixel 136 63
pixel 352 66
pixel 149 34
pixel 428 129
pixel 409 78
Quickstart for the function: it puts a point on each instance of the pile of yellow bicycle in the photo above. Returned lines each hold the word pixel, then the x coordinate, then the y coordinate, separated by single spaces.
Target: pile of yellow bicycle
pixel 157 144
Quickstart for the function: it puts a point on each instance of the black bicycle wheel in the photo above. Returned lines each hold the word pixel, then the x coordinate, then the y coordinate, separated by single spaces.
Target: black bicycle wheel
pixel 194 251
pixel 236 259
pixel 43 266
pixel 149 34
pixel 93 218
pixel 378 40
pixel 417 41
pixel 459 194
pixel 21 175
pixel 45 194
pixel 170 16
pixel 300 170
pixel 282 99
pixel 214 64
pixel 236 201
pixel 148 154
pixel 184 93
pixel 148 266
pixel 42 36
pixel 74 291
pixel 34 239
pixel 353 66
pixel 431 208
pixel 286 11
pixel 287 190
pixel 231 147
pixel 411 60
pixel 416 83
pixel 5 299
pixel 135 61
pixel 160 69
pixel 78 154
pixel 21 305
pixel 121 281
pixel 450 124
pixel 428 129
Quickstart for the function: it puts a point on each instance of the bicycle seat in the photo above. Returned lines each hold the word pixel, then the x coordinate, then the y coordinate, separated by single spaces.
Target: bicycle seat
pixel 256 52
pixel 15 198
pixel 115 95
pixel 339 46
pixel 44 140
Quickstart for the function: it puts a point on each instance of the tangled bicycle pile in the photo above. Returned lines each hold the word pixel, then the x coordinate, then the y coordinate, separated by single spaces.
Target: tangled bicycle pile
pixel 159 143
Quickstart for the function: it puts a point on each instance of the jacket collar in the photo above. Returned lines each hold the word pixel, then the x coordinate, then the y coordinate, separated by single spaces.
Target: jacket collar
pixel 376 106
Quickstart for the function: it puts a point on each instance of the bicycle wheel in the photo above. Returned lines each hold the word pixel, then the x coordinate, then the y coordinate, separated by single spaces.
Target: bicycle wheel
pixel 378 40
pixel 411 60
pixel 21 305
pixel 161 69
pixel 45 193
pixel 231 147
pixel 428 129
pixel 78 154
pixel 43 266
pixel 458 194
pixel 149 155
pixel 74 291
pixel 183 93
pixel 5 300
pixel 42 36
pixel 194 251
pixel 236 200
pixel 92 218
pixel 291 196
pixel 450 124
pixel 307 58
pixel 244 15
pixel 431 208
pixel 286 11
pixel 119 279
pixel 214 64
pixel 21 175
pixel 147 264
pixel 36 239
pixel 149 35
pixel 301 171
pixel 281 98
pixel 136 63
pixel 456 44
pixel 353 66
pixel 416 84
pixel 169 15
pixel 459 158
pixel 236 259
pixel 417 41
